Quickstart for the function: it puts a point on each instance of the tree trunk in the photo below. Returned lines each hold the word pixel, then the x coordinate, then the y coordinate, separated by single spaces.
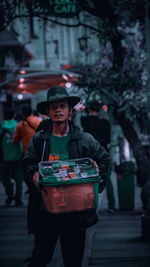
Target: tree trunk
pixel 139 152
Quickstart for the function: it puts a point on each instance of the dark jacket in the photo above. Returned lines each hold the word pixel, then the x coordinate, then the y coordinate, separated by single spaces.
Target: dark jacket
pixel 80 145
pixel 99 128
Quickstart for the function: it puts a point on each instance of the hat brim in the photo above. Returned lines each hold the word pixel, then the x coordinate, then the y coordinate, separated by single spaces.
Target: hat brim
pixel 42 107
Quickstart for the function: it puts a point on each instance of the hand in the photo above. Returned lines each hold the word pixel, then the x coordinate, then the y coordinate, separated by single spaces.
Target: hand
pixel 95 164
pixel 36 177
pixel 79 107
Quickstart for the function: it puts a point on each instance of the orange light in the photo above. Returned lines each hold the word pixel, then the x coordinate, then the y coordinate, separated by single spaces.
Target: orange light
pixel 67 66
pixel 105 108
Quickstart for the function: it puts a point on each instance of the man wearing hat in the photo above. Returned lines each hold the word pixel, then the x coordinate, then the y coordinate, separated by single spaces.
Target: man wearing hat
pixel 64 141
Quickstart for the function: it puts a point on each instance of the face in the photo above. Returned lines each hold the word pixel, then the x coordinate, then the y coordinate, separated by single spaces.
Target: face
pixel 59 111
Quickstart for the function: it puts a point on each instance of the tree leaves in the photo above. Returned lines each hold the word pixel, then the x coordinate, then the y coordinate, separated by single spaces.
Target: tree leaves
pixel 123 89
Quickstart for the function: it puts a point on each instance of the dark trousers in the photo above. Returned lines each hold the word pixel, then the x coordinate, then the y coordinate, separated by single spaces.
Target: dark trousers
pixel 72 240
pixel 110 191
pixel 12 170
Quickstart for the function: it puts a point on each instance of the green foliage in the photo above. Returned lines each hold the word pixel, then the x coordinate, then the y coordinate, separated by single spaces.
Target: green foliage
pixel 123 90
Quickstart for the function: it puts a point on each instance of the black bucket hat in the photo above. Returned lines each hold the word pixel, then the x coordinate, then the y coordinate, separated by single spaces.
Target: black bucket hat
pixel 55 94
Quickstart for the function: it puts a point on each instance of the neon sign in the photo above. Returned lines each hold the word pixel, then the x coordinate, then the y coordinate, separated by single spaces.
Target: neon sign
pixel 64 8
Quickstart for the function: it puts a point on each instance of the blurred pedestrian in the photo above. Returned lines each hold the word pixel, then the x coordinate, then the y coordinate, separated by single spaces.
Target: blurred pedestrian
pixel 65 140
pixel 36 113
pixel 77 113
pixel 11 158
pixel 99 127
pixel 26 129
pixel 44 124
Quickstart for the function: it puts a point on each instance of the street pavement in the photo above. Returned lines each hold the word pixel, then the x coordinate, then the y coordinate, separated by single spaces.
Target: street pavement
pixel 116 240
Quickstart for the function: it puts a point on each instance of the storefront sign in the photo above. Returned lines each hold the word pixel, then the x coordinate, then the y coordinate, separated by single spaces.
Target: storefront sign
pixel 64 8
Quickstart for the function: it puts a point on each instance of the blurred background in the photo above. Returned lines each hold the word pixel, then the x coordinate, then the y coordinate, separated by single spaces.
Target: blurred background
pixel 98 50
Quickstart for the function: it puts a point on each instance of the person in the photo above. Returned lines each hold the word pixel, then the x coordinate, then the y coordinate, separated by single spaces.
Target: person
pixel 11 158
pixel 99 127
pixel 26 129
pixel 77 113
pixel 44 124
pixel 63 139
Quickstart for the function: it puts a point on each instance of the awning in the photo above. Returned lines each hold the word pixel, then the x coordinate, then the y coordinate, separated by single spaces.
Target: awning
pixel 35 81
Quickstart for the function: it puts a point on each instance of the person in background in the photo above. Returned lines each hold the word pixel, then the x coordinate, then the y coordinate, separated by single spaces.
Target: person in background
pixel 65 140
pixel 35 113
pixel 11 158
pixel 99 127
pixel 45 123
pixel 26 129
pixel 77 113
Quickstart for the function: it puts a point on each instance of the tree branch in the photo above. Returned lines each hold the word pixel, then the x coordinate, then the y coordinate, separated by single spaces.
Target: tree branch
pixel 71 25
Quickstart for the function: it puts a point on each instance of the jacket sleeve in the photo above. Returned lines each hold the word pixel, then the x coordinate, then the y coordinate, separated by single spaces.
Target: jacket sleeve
pixel 99 154
pixel 31 160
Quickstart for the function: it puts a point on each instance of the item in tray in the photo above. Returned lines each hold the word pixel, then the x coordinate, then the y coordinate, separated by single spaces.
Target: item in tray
pixel 65 178
pixel 72 175
pixel 55 165
pixel 47 171
pixel 77 170
pixel 64 167
pixel 63 173
pixel 83 175
pixel 70 164
pixel 58 176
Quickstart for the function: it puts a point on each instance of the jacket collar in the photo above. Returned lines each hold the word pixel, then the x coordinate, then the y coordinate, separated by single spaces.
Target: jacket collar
pixel 74 132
